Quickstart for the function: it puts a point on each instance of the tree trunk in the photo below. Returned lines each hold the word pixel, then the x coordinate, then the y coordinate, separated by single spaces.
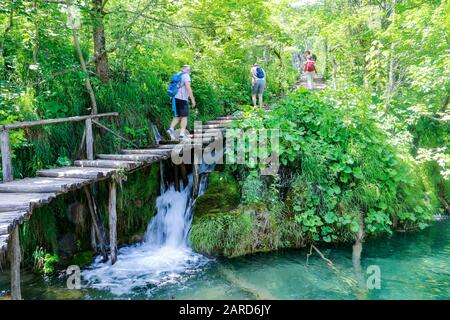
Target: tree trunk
pixel 333 72
pixel 100 54
pixel 325 58
pixel 445 104
pixel 392 66
pixel 391 81
pixel 279 55
pixel 36 36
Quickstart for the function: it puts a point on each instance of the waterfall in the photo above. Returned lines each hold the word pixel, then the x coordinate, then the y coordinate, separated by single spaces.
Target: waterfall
pixel 156 133
pixel 163 257
pixel 170 227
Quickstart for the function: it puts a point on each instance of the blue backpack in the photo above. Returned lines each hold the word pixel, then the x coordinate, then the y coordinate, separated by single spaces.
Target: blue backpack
pixel 175 84
pixel 260 73
pixel 173 88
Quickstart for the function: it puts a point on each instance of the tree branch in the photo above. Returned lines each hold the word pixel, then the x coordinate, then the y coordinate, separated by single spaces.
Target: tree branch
pixel 103 6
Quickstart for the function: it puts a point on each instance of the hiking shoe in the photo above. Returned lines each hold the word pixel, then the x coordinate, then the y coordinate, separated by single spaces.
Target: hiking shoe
pixel 171 134
pixel 183 137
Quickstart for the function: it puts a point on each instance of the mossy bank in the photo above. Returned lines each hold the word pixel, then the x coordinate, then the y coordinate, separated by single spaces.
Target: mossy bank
pixel 340 175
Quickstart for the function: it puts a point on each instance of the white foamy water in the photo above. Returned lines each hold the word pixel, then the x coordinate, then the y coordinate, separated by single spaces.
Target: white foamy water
pixel 164 257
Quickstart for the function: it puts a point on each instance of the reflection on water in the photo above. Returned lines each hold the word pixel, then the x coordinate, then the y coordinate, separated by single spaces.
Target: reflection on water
pixel 413 266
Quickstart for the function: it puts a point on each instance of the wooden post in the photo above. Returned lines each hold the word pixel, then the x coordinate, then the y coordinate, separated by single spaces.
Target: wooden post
pixel 176 177
pixel 162 184
pixel 15 258
pixel 196 180
pixel 89 140
pixel 112 221
pixel 6 156
pixel 96 222
pixel 93 239
pixel 184 175
pixel 196 172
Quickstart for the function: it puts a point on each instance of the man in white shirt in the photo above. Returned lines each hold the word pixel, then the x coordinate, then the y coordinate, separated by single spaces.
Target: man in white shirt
pixel 182 104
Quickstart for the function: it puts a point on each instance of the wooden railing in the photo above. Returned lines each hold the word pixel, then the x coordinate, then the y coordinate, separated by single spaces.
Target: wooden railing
pixel 5 145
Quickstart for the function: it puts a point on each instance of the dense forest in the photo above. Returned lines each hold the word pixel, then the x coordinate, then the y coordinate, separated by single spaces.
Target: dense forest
pixel 367 156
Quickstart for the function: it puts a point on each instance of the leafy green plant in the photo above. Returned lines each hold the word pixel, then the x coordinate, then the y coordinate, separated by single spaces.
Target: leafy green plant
pixel 44 262
pixel 344 168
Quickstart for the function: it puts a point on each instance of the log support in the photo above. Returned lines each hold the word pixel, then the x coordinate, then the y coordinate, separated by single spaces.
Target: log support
pixel 184 177
pixel 6 156
pixel 196 180
pixel 93 239
pixel 96 223
pixel 112 221
pixel 15 258
pixel 176 177
pixel 162 186
pixel 196 172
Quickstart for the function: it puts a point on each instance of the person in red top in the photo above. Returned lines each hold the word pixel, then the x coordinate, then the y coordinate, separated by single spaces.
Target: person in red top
pixel 309 69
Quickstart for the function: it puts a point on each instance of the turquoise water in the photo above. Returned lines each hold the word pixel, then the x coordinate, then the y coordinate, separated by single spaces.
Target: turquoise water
pixel 413 266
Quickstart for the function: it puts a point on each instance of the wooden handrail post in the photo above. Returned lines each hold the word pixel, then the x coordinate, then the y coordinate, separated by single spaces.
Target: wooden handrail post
pixel 15 258
pixel 5 144
pixel 89 140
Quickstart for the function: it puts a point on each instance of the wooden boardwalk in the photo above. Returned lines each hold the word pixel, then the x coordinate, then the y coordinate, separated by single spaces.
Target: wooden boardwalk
pixel 318 83
pixel 18 198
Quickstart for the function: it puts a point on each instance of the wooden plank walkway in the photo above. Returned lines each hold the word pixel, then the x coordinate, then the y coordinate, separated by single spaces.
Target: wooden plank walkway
pixel 18 198
pixel 318 83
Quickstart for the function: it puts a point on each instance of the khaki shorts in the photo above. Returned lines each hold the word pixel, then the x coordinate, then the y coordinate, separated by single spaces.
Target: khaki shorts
pixel 258 87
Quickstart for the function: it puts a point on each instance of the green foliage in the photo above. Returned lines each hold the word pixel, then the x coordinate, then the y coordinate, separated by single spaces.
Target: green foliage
pixel 41 230
pixel 40 76
pixel 44 262
pixel 257 226
pixel 136 202
pixel 376 147
pixel 229 234
pixel 344 170
pixel 252 189
pixel 82 259
pixel 344 167
pixel 223 195
pixel 394 54
pixel 56 231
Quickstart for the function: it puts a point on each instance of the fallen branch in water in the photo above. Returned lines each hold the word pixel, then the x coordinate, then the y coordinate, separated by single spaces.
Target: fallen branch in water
pixel 349 281
pixel 328 261
pixel 258 292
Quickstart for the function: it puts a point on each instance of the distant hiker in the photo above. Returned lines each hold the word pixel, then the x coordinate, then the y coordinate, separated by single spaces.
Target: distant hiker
pixel 259 84
pixel 180 91
pixel 309 69
pixel 307 54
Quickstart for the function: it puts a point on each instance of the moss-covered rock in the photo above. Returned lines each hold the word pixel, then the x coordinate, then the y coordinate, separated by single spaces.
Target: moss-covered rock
pixel 229 234
pixel 246 230
pixel 222 196
pixel 83 258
